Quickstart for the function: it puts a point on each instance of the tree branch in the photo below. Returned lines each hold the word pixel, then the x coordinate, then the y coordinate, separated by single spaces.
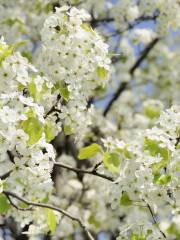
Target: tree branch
pixel 5 175
pixel 95 21
pixel 132 70
pixel 49 206
pixel 92 171
pixel 154 219
pixel 53 108
pixel 177 141
pixel 17 207
pixel 143 56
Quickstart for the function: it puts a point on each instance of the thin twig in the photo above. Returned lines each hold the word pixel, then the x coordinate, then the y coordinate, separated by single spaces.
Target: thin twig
pixel 49 206
pixel 78 170
pixel 97 165
pixel 154 219
pixel 177 141
pixel 17 207
pixel 53 108
pixel 11 156
pixel 143 56
pixel 5 175
pixel 95 21
pixel 132 70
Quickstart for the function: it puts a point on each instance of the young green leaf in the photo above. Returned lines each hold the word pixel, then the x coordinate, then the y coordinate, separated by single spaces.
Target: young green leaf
pixel 52 220
pixel 161 179
pixel 138 237
pixel 87 28
pixel 125 200
pixel 152 146
pixel 101 72
pixel 92 220
pixel 4 204
pixel 5 51
pixel 64 92
pixel 48 129
pixel 90 151
pixel 68 130
pixel 32 89
pixel 34 128
pixel 112 161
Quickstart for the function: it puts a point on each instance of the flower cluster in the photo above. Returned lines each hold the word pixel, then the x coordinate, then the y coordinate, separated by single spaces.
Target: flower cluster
pixel 35 105
pixel 25 153
pixel 56 101
pixel 148 176
pixel 166 13
pixel 75 59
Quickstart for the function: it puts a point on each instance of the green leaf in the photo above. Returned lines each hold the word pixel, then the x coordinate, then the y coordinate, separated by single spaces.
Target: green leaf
pixel 149 232
pixel 37 95
pixel 174 230
pixel 62 88
pixel 31 113
pixel 5 51
pixel 49 131
pixel 4 204
pixel 90 151
pixel 124 151
pixel 125 200
pixel 11 21
pixel 154 149
pixel 27 54
pixel 101 72
pixel 51 220
pixel 68 130
pixel 92 220
pixel 161 179
pixel 64 92
pixel 152 111
pixel 138 237
pixel 34 128
pixel 87 28
pixel 112 161
pixel 32 89
pixel 152 146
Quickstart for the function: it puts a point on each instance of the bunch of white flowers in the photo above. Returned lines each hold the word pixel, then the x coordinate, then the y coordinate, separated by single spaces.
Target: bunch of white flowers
pixel 130 177
pixel 75 59
pixel 166 14
pixel 24 133
pixel 148 174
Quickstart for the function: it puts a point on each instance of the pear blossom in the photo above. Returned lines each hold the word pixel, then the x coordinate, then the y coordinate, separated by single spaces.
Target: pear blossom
pixel 90 118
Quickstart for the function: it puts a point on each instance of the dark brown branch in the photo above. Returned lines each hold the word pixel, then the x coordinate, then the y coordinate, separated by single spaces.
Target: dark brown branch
pixel 177 141
pixel 95 21
pixel 5 175
pixel 132 70
pixel 78 170
pixel 143 56
pixel 11 156
pixel 49 206
pixel 17 207
pixel 53 108
pixel 154 219
pixel 96 166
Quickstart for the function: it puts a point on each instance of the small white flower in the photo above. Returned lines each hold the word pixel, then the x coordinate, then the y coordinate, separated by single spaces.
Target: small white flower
pixel 143 35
